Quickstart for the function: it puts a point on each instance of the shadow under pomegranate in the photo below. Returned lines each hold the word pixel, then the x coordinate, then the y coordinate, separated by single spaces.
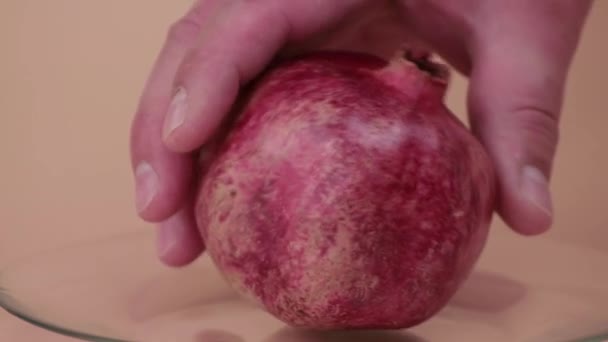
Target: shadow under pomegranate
pixel 297 335
pixel 488 293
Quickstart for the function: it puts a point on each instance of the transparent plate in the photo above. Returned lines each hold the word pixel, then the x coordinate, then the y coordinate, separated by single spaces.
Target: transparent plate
pixel 115 290
pixel 76 260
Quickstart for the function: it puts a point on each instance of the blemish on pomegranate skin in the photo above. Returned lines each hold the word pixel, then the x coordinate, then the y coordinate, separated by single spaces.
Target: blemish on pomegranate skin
pixel 347 196
pixel 223 216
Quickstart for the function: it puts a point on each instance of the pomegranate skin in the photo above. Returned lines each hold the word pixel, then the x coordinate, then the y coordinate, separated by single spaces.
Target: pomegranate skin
pixel 346 195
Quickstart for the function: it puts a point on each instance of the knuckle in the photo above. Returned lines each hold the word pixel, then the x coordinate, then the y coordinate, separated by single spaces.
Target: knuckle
pixel 150 105
pixel 185 30
pixel 539 121
pixel 540 127
pixel 139 128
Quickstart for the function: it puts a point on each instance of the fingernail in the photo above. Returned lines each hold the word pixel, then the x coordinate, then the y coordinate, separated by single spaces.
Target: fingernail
pixel 146 185
pixel 177 112
pixel 535 188
pixel 167 239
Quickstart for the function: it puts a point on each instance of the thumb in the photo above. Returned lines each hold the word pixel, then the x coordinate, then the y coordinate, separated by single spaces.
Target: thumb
pixel 515 98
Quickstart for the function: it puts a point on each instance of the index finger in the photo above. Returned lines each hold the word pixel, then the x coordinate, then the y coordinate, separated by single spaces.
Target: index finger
pixel 235 50
pixel 162 176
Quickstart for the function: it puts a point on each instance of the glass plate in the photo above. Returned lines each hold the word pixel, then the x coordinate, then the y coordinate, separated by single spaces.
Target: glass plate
pixel 116 290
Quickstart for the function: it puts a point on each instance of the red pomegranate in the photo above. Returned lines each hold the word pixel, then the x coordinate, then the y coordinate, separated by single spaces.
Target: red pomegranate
pixel 346 195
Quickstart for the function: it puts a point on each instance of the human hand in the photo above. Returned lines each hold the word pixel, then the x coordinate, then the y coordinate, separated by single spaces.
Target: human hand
pixel 517 54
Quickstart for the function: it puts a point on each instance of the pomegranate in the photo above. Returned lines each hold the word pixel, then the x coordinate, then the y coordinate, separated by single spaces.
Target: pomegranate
pixel 346 195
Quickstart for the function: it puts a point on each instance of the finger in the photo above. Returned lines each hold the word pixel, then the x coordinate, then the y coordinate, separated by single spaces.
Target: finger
pixel 179 241
pixel 516 119
pixel 162 176
pixel 234 51
pixel 517 86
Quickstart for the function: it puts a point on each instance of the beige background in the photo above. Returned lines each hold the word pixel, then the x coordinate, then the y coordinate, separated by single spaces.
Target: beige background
pixel 70 75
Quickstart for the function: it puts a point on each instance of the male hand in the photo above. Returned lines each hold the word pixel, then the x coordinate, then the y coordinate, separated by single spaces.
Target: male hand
pixel 517 54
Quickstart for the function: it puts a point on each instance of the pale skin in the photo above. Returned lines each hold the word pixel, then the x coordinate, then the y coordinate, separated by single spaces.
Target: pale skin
pixel 516 53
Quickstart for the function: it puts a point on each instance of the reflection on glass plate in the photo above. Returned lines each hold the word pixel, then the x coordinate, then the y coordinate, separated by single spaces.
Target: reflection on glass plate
pixel 116 290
